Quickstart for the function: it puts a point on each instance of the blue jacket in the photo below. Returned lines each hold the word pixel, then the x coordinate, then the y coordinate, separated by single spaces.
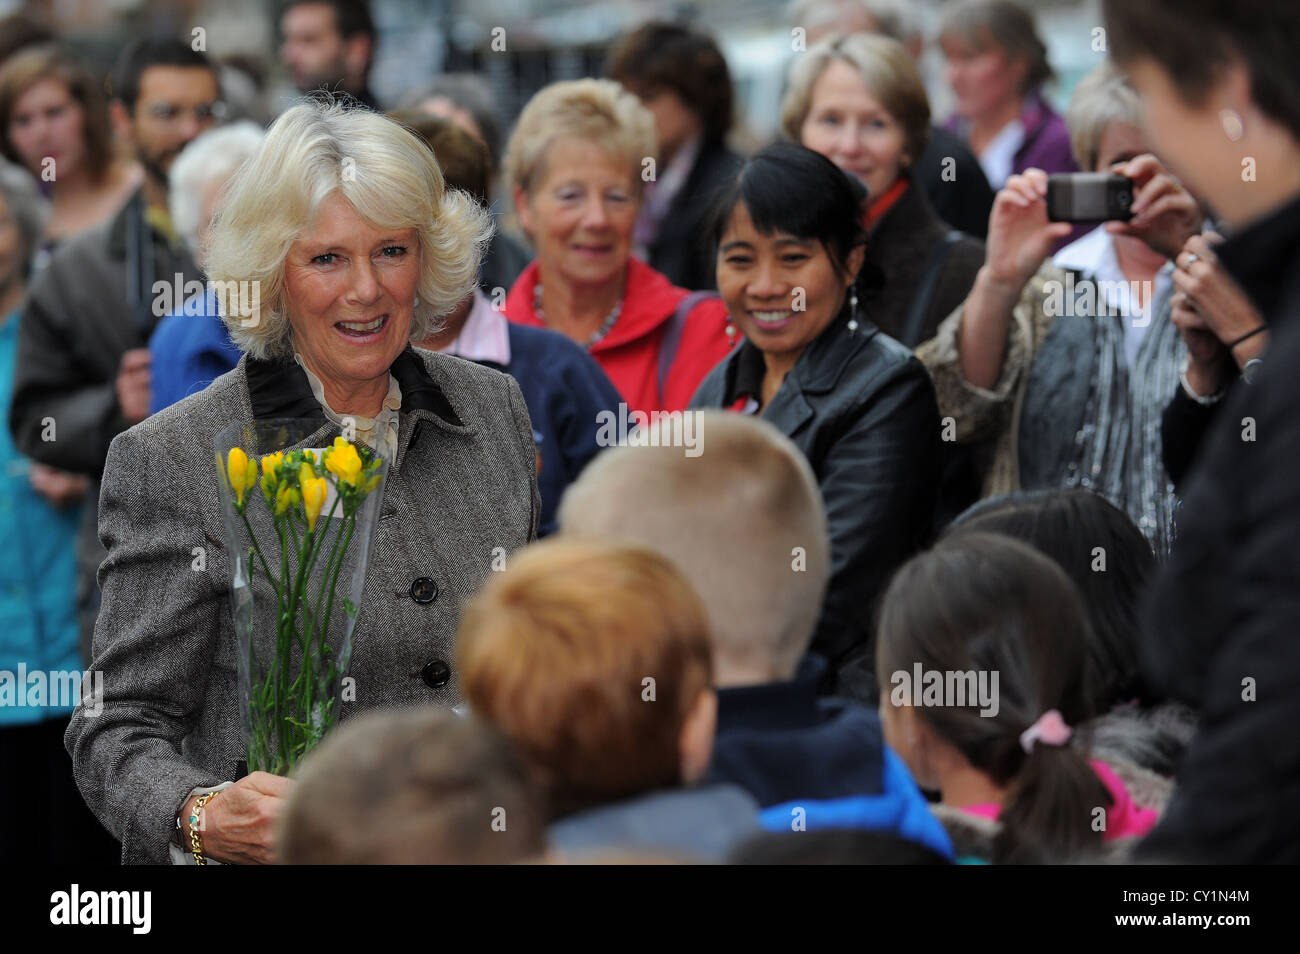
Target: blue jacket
pixel 190 349
pixel 38 573
pixel 565 391
pixel 817 763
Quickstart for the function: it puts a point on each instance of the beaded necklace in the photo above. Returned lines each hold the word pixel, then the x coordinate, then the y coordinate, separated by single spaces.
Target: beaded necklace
pixel 600 332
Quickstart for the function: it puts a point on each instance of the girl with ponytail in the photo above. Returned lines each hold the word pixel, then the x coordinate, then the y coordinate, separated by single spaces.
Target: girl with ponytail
pixel 996 637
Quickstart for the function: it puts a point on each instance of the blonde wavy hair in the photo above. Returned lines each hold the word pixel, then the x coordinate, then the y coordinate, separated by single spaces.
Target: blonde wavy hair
pixel 389 176
pixel 600 112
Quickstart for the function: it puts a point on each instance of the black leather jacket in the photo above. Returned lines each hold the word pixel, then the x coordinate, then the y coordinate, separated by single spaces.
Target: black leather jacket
pixel 862 409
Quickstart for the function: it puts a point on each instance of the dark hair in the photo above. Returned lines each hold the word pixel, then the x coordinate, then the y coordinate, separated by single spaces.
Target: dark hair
pixel 659 55
pixel 789 188
pixel 1009 26
pixel 145 52
pixel 1067 525
pixel 350 16
pixel 985 603
pixel 462 158
pixel 834 846
pixel 1192 41
pixel 19 30
pixel 26 68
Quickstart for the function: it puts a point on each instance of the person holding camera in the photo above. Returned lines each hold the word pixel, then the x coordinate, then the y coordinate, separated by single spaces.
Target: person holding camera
pixel 1051 404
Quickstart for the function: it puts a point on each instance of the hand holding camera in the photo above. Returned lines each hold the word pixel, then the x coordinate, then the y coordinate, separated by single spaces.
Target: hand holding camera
pixel 1164 214
pixel 1020 232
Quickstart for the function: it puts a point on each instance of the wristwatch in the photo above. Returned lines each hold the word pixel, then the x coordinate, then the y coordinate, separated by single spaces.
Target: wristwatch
pixel 1250 369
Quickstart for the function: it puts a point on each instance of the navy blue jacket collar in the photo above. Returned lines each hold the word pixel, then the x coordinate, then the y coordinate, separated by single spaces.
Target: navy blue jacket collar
pixel 791 704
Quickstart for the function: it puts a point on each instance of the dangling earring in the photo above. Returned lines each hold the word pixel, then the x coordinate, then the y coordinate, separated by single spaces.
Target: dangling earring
pixel 1233 127
pixel 853 310
pixel 417 302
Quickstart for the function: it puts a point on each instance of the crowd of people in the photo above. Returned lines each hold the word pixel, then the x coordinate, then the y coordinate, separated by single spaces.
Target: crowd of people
pixel 976 560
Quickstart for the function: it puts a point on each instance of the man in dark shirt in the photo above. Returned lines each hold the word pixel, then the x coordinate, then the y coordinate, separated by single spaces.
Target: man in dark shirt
pixel 330 45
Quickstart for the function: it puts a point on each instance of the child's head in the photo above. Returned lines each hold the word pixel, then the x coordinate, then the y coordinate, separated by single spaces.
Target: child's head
pixel 418 787
pixel 979 638
pixel 593 659
pixel 1106 557
pixel 743 520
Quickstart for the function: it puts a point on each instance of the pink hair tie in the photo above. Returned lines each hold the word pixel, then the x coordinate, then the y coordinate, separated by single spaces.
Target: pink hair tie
pixel 1050 729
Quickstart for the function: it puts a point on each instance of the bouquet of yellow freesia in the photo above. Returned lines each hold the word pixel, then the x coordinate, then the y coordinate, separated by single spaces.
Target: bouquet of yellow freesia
pixel 313 500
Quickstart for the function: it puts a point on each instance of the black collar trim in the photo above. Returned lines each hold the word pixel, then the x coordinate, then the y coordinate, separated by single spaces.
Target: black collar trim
pixel 279 388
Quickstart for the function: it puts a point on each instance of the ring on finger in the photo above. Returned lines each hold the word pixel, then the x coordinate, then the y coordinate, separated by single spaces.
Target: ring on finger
pixel 1192 259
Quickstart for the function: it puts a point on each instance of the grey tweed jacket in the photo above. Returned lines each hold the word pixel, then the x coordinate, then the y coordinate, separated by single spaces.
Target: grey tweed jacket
pixel 463 484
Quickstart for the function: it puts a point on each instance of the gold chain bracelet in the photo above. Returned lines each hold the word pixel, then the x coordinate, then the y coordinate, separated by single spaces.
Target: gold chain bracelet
pixel 196 845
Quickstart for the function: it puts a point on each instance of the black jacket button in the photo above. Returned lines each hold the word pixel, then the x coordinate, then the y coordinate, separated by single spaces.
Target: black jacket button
pixel 435 674
pixel 424 590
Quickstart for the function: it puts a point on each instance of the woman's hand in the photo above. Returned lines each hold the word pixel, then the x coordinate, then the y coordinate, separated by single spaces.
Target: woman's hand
pixel 1020 235
pixel 239 823
pixel 1207 358
pixel 59 487
pixel 1165 215
pixel 1223 308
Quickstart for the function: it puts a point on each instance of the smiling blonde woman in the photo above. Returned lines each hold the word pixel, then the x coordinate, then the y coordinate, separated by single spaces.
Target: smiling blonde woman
pixel 343 219
pixel 579 158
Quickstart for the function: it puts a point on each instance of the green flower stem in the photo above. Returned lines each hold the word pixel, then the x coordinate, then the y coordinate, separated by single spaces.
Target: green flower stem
pixel 284 725
pixel 258 550
pixel 350 520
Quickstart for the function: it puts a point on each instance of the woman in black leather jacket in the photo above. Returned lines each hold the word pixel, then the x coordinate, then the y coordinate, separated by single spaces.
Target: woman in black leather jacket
pixel 856 402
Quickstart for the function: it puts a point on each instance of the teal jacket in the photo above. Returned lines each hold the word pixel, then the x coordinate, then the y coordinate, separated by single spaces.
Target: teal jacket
pixel 38 580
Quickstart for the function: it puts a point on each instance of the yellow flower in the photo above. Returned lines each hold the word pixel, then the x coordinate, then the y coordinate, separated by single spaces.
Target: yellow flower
pixel 241 471
pixel 305 473
pixel 286 497
pixel 314 490
pixel 371 484
pixel 343 461
pixel 270 464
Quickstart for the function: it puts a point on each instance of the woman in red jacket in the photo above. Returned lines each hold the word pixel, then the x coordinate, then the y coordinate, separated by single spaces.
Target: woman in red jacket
pixel 578 159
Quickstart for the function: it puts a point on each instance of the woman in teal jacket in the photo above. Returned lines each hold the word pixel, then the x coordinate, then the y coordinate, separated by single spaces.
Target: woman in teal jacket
pixel 41 669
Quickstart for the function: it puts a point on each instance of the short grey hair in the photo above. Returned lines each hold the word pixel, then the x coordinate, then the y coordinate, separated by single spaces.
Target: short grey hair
pixel 29 210
pixel 1102 97
pixel 209 159
pixel 316 149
